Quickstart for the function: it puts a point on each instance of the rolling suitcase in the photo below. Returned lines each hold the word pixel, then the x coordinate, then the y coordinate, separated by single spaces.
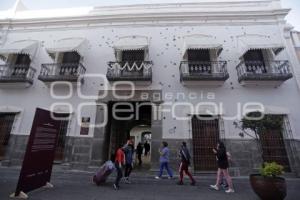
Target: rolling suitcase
pixel 102 174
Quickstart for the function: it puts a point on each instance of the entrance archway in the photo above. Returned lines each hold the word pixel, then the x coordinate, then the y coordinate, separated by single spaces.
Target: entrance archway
pixel 132 120
pixel 105 140
pixel 141 134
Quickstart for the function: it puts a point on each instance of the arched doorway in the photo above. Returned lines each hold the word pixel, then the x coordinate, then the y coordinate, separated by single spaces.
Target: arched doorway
pixel 135 123
pixel 141 134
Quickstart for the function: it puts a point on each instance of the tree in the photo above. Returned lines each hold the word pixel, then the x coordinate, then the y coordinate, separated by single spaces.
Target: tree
pixel 258 124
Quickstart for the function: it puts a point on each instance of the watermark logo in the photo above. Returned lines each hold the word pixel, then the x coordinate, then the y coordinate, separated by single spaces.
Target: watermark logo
pixel 129 101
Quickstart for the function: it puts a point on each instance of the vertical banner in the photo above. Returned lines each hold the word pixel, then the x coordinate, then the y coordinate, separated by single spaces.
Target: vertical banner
pixel 38 160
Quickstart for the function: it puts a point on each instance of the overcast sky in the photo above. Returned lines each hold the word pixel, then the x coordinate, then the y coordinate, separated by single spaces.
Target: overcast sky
pixel 293 18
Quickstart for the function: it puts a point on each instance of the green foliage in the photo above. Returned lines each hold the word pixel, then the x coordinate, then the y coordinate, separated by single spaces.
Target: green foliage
pixel 271 169
pixel 266 123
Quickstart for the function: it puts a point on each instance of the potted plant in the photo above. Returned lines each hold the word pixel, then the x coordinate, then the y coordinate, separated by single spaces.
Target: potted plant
pixel 268 185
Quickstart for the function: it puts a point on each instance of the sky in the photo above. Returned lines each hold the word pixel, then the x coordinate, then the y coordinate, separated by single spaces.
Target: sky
pixel 292 18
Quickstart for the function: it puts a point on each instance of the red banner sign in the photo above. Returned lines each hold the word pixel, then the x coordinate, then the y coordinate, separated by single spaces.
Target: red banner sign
pixel 37 164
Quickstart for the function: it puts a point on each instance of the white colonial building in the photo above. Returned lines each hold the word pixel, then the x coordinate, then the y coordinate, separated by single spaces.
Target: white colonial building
pixel 190 69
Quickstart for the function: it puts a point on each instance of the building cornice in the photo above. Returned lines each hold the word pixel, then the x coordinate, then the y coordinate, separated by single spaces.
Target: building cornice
pixel 203 10
pixel 153 18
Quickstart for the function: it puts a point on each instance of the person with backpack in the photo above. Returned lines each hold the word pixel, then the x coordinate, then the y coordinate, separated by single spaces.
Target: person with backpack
pixel 185 158
pixel 129 150
pixel 119 162
pixel 223 164
pixel 164 161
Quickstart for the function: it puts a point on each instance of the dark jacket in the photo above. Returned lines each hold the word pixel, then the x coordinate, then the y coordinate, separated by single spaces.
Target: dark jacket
pixel 185 155
pixel 147 147
pixel 139 149
pixel 129 154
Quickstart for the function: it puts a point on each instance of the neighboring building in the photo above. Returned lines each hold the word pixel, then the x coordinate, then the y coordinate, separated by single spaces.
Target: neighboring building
pixel 224 52
pixel 296 41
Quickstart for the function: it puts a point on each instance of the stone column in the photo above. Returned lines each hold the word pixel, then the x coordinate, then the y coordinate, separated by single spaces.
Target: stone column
pixel 99 144
pixel 156 132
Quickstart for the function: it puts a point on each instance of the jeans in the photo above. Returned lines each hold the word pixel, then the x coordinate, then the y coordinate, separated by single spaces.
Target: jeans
pixel 128 169
pixel 140 159
pixel 119 174
pixel 165 165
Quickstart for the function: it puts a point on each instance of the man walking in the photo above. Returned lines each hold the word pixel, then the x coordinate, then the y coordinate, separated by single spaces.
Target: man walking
pixel 147 148
pixel 184 165
pixel 139 152
pixel 129 150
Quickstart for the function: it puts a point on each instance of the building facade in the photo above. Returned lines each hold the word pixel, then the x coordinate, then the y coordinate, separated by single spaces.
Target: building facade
pixel 178 72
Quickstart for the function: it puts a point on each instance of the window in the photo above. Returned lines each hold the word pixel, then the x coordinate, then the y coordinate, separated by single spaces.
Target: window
pixel 254 61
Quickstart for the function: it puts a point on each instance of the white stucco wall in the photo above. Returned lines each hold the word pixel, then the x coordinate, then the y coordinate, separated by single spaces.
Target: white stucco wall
pixel 166 43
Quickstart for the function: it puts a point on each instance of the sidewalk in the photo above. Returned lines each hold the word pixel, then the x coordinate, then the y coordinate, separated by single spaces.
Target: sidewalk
pixel 70 185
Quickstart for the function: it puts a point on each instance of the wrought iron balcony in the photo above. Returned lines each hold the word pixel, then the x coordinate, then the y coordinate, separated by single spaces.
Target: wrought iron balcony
pixel 10 74
pixel 198 71
pixel 61 72
pixel 136 71
pixel 256 71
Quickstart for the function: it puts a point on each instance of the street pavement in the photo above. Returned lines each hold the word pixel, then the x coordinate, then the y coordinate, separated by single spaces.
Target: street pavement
pixel 76 185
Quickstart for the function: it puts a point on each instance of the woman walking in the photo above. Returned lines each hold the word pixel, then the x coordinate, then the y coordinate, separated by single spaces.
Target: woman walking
pixel 164 161
pixel 119 161
pixel 222 161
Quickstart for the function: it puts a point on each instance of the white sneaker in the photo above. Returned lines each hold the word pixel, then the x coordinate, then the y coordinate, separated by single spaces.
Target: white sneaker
pixel 157 177
pixel 229 191
pixel 214 187
pixel 116 187
pixel 127 181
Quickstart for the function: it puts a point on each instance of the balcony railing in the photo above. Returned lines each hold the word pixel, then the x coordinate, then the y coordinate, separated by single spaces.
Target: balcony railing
pixel 10 73
pixel 61 72
pixel 203 71
pixel 264 71
pixel 129 71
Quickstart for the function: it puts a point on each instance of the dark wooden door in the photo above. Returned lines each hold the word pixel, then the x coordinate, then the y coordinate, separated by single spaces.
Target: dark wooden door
pixel 70 63
pixel 61 141
pixel 6 122
pixel 205 137
pixel 133 56
pixel 199 61
pixel 23 59
pixel 71 57
pixel 273 148
pixel 199 55
pixel 21 65
pixel 254 61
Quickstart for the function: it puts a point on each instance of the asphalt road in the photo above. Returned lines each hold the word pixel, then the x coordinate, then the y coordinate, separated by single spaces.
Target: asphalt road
pixel 71 185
